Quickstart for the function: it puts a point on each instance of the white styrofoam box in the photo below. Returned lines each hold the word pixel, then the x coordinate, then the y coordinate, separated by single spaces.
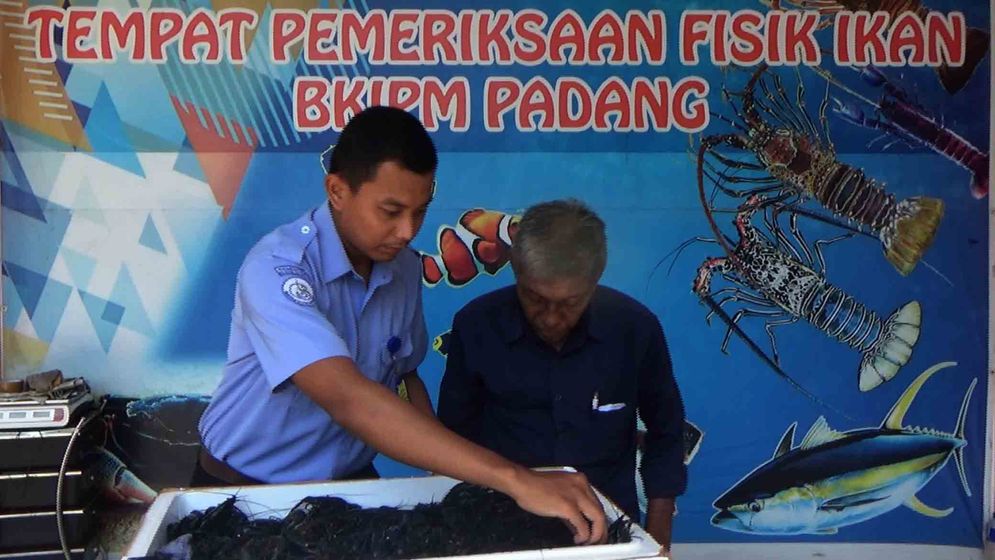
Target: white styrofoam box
pixel 276 500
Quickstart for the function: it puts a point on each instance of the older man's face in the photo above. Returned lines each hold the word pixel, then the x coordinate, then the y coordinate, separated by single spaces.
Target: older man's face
pixel 553 307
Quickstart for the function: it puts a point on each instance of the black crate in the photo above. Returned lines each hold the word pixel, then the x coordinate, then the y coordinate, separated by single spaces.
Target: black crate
pixel 38 530
pixel 49 554
pixel 24 491
pixel 43 450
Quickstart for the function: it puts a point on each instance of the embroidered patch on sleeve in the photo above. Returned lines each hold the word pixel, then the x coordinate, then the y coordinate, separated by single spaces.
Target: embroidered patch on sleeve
pixel 298 290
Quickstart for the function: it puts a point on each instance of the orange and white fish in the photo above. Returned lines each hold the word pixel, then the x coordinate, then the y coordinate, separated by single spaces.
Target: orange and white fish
pixel 480 242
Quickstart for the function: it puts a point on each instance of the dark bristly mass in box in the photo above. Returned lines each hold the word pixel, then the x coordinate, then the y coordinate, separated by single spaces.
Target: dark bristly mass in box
pixel 469 520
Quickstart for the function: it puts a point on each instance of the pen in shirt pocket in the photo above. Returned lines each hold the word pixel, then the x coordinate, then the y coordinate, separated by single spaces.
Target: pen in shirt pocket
pixel 609 407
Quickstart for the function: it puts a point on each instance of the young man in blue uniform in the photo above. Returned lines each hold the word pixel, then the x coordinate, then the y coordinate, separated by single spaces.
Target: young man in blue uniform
pixel 552 370
pixel 328 320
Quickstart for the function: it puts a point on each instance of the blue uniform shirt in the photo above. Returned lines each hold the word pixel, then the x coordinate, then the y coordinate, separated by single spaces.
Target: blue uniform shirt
pixel 298 300
pixel 507 390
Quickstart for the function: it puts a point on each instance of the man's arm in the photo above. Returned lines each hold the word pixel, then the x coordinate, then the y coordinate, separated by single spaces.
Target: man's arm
pixel 377 416
pixel 460 392
pixel 417 393
pixel 662 410
pixel 295 343
pixel 660 521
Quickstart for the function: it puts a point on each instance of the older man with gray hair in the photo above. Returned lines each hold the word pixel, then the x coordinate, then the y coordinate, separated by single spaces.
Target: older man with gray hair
pixel 553 370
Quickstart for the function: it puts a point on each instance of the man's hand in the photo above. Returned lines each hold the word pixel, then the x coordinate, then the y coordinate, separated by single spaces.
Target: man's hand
pixel 565 495
pixel 397 429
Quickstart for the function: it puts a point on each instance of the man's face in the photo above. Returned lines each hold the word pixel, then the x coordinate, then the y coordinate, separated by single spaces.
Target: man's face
pixel 384 214
pixel 553 307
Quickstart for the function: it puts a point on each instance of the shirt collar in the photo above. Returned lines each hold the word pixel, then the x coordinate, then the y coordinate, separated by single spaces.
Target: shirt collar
pixel 334 261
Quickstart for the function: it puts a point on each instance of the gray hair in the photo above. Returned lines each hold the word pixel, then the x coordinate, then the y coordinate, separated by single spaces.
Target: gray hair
pixel 560 239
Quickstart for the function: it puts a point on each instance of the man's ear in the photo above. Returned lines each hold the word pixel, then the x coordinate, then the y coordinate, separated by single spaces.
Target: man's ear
pixel 337 189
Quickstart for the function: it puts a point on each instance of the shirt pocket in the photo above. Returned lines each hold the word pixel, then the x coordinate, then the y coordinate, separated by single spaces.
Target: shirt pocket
pixel 394 351
pixel 611 423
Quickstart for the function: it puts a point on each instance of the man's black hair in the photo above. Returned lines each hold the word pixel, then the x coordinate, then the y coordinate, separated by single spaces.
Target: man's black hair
pixel 377 135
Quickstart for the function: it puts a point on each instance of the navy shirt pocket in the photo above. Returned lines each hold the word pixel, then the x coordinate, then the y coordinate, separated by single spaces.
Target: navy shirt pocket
pixel 610 426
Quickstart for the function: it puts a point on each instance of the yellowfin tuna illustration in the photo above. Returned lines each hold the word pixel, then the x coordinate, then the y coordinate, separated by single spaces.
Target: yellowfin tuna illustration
pixel 835 479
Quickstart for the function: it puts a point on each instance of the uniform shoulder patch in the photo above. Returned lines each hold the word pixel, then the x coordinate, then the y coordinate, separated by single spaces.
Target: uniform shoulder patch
pixel 298 290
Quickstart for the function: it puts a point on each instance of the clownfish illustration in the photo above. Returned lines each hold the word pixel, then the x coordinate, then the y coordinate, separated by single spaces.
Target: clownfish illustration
pixel 480 242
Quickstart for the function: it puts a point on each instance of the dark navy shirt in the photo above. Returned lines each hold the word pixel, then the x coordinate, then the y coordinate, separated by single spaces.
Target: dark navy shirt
pixel 509 391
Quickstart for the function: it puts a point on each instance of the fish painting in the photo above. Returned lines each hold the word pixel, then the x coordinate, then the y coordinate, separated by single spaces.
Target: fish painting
pixel 480 242
pixel 834 479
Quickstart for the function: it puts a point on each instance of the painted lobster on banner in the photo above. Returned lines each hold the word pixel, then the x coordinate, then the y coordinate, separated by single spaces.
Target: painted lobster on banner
pixel 784 282
pixel 785 155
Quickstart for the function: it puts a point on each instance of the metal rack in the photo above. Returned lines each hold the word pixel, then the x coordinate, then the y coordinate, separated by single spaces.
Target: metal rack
pixel 45 488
